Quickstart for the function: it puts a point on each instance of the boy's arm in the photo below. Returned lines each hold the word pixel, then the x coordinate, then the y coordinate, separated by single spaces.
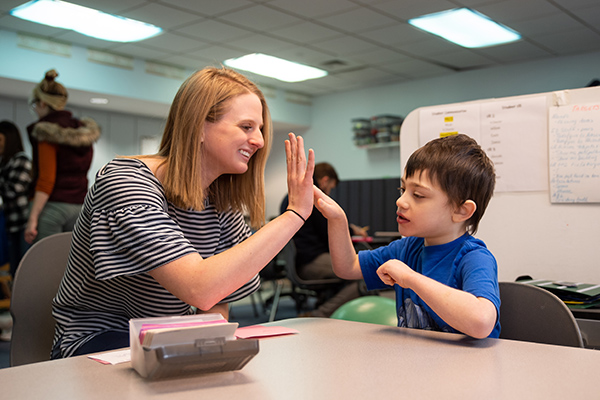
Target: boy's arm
pixel 473 316
pixel 343 255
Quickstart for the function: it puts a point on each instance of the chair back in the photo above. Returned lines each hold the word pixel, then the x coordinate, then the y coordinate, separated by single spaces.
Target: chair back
pixel 288 255
pixel 35 285
pixel 529 313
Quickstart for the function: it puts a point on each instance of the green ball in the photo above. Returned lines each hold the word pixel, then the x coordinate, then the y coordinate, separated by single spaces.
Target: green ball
pixel 372 309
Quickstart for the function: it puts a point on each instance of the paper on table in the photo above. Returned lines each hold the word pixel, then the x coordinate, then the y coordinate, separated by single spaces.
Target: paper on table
pixel 257 331
pixel 112 357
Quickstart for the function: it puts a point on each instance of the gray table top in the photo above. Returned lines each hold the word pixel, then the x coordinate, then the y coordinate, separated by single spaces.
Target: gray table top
pixel 333 359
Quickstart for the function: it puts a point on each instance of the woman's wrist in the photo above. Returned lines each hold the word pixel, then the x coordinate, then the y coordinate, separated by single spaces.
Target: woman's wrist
pixel 297 213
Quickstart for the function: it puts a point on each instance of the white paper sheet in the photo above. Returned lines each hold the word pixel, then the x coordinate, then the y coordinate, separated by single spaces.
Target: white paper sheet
pixel 514 136
pixel 436 122
pixel 574 153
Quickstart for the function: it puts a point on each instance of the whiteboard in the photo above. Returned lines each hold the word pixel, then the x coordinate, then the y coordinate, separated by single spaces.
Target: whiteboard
pixel 526 232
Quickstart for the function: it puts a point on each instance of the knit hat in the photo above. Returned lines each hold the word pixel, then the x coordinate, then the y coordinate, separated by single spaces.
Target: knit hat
pixel 50 92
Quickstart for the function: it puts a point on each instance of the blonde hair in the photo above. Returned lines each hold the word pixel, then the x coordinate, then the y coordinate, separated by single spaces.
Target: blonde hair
pixel 205 96
pixel 50 92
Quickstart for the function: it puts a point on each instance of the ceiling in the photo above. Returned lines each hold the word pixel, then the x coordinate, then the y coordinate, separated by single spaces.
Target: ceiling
pixel 361 43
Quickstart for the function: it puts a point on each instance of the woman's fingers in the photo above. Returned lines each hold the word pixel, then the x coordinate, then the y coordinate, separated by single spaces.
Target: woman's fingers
pixel 295 157
pixel 299 174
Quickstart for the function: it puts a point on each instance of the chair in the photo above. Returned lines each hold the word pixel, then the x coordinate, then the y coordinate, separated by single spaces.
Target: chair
pixel 273 272
pixel 371 309
pixel 35 285
pixel 529 313
pixel 312 287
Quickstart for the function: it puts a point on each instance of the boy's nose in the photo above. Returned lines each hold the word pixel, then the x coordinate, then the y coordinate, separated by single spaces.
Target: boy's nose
pixel 400 203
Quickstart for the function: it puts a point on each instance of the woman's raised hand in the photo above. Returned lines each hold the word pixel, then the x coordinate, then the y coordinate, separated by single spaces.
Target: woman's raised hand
pixel 299 176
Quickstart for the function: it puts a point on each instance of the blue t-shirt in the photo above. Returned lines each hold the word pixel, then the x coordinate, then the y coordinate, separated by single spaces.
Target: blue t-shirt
pixel 465 264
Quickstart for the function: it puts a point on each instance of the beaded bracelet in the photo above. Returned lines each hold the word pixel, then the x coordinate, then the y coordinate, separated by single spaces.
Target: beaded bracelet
pixel 295 212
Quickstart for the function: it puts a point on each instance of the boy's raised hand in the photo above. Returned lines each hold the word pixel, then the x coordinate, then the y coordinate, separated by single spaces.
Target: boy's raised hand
pixel 299 175
pixel 328 207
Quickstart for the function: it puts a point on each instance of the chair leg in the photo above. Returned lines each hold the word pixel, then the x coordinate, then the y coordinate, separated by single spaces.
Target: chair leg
pixel 254 305
pixel 276 296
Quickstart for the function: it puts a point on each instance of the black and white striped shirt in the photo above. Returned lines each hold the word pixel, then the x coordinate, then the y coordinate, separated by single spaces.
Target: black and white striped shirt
pixel 127 228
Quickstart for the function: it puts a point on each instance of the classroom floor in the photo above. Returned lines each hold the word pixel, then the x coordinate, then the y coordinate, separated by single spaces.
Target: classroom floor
pixel 248 311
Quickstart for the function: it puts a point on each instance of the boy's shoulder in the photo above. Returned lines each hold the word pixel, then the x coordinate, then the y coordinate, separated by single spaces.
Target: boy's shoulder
pixel 471 242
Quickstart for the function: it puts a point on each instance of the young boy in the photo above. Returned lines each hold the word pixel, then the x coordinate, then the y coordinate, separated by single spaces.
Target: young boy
pixel 444 278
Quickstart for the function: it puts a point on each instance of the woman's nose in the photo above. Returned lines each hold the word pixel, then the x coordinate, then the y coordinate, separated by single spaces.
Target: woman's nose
pixel 256 139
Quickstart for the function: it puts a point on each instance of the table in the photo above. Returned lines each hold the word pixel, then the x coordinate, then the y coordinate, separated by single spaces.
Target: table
pixel 334 359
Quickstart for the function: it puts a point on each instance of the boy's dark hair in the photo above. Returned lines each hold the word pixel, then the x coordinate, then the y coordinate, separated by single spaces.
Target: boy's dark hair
pixel 461 168
pixel 325 169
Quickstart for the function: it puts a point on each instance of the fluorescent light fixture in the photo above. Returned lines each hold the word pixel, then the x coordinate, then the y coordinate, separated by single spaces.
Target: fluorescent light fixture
pixel 466 28
pixel 84 20
pixel 274 67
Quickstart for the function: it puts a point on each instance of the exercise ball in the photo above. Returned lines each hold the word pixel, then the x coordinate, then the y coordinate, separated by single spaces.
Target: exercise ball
pixel 372 309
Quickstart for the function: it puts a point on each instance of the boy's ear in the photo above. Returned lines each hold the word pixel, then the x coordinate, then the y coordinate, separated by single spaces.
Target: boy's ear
pixel 464 211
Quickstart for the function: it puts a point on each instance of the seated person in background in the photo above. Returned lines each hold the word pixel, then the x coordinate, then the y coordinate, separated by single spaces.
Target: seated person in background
pixel 445 279
pixel 312 247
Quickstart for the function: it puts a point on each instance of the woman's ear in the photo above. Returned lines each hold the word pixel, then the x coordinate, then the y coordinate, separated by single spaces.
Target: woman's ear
pixel 464 211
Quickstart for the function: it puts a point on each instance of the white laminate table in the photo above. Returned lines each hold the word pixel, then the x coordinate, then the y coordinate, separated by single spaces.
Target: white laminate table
pixel 333 359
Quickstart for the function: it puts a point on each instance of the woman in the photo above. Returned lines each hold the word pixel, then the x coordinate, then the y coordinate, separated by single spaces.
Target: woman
pixel 15 177
pixel 160 234
pixel 62 154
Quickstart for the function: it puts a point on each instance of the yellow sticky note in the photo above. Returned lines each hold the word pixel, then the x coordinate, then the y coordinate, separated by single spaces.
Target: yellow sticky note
pixel 444 134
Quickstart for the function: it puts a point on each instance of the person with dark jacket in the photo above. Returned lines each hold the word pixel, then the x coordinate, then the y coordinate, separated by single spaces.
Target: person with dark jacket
pixel 62 151
pixel 15 178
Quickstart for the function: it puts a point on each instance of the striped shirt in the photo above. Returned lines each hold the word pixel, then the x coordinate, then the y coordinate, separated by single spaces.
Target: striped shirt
pixel 127 228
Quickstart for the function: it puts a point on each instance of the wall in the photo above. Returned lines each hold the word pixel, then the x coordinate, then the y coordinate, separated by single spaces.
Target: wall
pixel 121 133
pixel 77 73
pixel 330 129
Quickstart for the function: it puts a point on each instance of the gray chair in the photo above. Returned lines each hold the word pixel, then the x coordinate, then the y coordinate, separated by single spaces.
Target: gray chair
pixel 35 285
pixel 303 288
pixel 274 272
pixel 529 313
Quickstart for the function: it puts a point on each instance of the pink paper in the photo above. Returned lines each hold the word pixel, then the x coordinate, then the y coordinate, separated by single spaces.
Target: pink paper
pixel 259 331
pixel 146 327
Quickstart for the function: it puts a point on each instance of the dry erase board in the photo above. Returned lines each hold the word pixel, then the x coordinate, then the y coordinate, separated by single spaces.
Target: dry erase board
pixel 529 232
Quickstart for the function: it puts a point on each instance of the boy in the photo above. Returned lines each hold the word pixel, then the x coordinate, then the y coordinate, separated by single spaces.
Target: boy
pixel 444 278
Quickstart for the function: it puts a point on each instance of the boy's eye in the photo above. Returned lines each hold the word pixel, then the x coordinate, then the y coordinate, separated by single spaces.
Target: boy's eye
pixel 401 190
pixel 418 196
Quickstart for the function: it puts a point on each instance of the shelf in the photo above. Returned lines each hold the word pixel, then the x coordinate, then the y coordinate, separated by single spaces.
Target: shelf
pixel 379 145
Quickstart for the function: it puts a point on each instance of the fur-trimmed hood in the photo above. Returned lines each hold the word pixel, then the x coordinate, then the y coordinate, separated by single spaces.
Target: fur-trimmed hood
pixel 86 135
